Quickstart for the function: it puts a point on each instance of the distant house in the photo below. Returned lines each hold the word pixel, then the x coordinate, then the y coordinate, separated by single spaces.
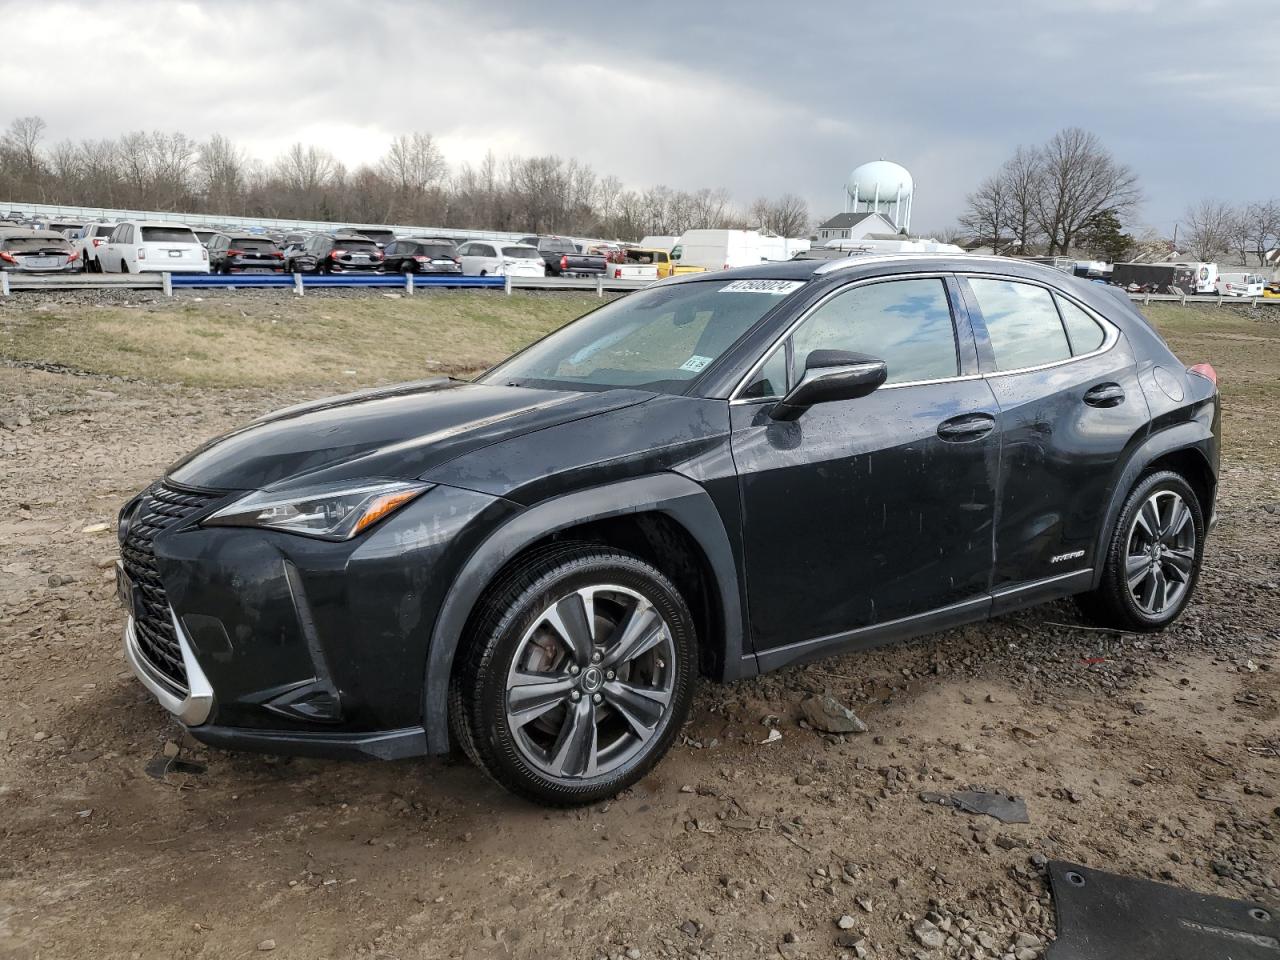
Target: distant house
pixel 855 226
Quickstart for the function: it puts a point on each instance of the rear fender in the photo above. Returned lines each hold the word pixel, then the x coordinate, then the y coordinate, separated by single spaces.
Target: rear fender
pixel 680 498
pixel 1192 435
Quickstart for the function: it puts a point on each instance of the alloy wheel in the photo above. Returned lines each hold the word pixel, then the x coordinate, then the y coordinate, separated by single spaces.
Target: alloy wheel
pixel 1161 553
pixel 591 682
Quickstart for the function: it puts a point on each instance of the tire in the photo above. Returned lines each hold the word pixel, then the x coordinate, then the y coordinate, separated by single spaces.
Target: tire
pixel 407 268
pixel 1152 563
pixel 615 698
pixel 124 265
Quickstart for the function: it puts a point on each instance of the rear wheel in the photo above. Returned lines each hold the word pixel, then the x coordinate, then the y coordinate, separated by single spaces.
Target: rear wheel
pixel 1153 561
pixel 124 265
pixel 579 674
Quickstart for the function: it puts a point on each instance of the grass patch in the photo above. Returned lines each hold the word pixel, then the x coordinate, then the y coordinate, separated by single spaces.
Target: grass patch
pixel 240 341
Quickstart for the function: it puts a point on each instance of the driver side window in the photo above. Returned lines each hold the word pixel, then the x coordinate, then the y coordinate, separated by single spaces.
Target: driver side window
pixel 905 323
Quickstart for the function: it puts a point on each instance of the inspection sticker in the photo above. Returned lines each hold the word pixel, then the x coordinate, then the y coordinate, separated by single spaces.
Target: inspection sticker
pixel 775 288
pixel 695 363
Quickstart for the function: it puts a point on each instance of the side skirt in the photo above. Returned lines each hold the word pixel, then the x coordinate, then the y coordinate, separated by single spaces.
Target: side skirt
pixel 999 602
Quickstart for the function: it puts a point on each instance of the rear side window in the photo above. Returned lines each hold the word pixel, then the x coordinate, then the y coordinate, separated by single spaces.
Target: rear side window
pixel 1085 333
pixel 1022 322
pixel 905 323
pixel 167 235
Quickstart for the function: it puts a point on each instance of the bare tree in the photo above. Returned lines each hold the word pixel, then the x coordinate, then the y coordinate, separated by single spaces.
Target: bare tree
pixel 1023 174
pixel 1078 179
pixel 22 141
pixel 1260 224
pixel 1209 226
pixel 222 173
pixel 988 211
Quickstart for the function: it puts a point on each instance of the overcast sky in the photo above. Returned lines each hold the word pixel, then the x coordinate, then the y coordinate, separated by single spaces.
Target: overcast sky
pixel 762 98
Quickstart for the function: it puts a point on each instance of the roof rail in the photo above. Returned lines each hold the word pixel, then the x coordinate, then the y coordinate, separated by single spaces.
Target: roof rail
pixel 831 266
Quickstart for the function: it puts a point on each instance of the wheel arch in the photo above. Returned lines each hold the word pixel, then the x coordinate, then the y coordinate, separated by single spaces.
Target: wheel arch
pixel 1185 449
pixel 660 517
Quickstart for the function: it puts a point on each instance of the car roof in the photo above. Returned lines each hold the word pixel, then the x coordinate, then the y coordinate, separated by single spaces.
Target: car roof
pixel 871 265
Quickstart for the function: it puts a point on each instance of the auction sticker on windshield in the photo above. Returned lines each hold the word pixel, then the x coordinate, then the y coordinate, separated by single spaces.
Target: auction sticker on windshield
pixel 775 288
pixel 696 363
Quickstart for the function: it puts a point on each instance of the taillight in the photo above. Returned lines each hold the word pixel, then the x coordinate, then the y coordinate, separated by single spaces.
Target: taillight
pixel 73 255
pixel 564 263
pixel 379 254
pixel 421 259
pixel 99 241
pixel 235 253
pixel 142 253
pixel 278 255
pixel 617 273
pixel 7 257
pixel 1205 370
pixel 334 255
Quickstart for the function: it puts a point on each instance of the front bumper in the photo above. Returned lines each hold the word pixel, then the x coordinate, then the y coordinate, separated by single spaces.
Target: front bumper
pixel 193 705
pixel 292 645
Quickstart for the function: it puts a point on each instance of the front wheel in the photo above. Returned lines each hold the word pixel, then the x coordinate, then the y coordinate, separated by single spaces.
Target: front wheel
pixel 1153 561
pixel 579 674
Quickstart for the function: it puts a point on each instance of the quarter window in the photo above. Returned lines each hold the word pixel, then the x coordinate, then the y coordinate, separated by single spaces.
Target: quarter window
pixel 905 323
pixel 1085 333
pixel 1022 322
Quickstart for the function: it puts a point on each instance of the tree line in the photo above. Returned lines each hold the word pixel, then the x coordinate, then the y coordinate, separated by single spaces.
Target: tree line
pixel 1067 193
pixel 1249 229
pixel 1071 195
pixel 412 183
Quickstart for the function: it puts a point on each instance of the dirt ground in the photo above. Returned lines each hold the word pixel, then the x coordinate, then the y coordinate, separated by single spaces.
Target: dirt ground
pixel 1156 756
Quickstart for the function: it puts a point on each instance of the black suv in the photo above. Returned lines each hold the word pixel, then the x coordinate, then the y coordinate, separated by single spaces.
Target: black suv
pixel 323 253
pixel 421 255
pixel 244 254
pixel 717 476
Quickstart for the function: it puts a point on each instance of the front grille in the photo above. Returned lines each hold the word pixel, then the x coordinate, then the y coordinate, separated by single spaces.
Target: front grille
pixel 161 507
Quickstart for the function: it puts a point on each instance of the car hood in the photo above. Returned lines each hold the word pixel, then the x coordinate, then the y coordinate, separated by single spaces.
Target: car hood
pixel 396 432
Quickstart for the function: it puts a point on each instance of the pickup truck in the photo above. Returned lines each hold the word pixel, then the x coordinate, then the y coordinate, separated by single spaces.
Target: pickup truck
pixel 562 258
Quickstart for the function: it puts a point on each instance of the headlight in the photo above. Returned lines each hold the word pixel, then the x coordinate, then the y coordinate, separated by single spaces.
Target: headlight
pixel 329 513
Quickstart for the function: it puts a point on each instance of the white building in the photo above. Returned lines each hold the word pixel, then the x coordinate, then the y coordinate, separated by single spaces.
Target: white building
pixel 855 226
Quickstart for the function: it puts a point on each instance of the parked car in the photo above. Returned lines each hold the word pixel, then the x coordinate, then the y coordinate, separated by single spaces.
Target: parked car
pixel 37 251
pixel 500 258
pixel 378 235
pixel 421 255
pixel 323 253
pixel 538 565
pixel 142 246
pixel 563 259
pixel 244 254
pixel 88 240
pixel 204 235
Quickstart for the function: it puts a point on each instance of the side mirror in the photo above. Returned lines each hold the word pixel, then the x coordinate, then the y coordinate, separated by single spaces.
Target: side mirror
pixel 831 375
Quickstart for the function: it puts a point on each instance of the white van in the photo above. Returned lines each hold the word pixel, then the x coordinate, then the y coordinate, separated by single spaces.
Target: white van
pixel 144 246
pixel 1241 284
pixel 659 242
pixel 719 249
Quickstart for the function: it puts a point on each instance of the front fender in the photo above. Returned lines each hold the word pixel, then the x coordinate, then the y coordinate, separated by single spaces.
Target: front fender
pixel 680 498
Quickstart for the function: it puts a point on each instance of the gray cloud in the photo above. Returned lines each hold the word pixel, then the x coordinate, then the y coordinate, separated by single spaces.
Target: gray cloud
pixel 754 96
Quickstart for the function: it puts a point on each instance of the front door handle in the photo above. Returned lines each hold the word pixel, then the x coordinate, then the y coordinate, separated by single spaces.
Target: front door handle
pixel 969 426
pixel 1104 395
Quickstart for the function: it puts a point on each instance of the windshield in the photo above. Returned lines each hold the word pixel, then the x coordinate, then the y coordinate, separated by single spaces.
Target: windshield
pixel 521 253
pixel 167 235
pixel 657 339
pixel 440 251
pixel 252 245
pixel 37 245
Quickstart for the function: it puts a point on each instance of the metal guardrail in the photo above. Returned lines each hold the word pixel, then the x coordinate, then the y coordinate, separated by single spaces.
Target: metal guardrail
pixel 166 282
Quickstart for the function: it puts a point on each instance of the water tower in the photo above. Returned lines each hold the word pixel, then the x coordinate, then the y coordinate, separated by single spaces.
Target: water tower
pixel 882 187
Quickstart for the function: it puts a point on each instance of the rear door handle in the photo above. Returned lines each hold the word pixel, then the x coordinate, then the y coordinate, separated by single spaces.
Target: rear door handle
pixel 1104 395
pixel 969 426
